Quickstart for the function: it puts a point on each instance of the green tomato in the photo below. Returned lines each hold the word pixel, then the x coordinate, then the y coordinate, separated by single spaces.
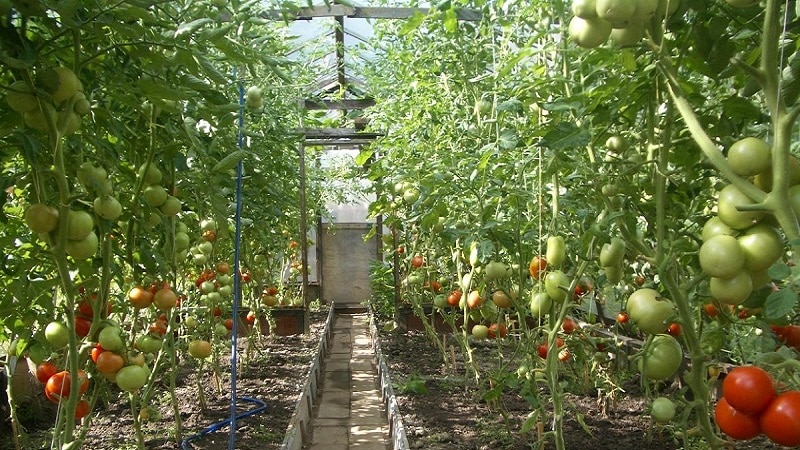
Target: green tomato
pixel 556 284
pixel 148 344
pixel 79 225
pixel 714 226
pixel 648 311
pixel 540 304
pixel 556 251
pixel 440 301
pixel 480 331
pixel 662 410
pixel 132 378
pixel 762 247
pixel 749 156
pixel 733 290
pixel 585 9
pixel 110 339
pixel 616 11
pixel 107 207
pixel 612 252
pixel 155 195
pixel 496 270
pixel 661 357
pixel 589 33
pixel 57 334
pixel 614 273
pixel 730 198
pixel 721 256
pixel 84 248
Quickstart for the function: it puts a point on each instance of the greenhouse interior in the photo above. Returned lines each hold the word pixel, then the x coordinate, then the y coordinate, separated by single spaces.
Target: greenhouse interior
pixel 385 225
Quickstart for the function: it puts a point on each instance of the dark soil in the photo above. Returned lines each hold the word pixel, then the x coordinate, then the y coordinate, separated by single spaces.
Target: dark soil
pixel 273 370
pixel 443 410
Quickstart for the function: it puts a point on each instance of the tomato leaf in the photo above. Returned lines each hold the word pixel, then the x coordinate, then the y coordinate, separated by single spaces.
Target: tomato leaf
pixel 713 339
pixel 566 135
pixel 779 304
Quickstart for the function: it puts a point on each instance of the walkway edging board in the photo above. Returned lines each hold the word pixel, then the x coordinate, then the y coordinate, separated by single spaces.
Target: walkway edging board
pixel 397 431
pixel 299 431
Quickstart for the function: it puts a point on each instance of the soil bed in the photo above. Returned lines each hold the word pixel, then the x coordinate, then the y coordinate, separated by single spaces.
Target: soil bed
pixel 273 370
pixel 441 410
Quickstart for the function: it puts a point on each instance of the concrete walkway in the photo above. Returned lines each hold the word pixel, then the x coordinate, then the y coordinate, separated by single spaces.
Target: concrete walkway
pixel 350 412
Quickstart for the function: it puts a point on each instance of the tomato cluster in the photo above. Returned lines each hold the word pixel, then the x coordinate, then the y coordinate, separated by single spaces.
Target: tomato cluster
pixel 58 384
pixel 751 406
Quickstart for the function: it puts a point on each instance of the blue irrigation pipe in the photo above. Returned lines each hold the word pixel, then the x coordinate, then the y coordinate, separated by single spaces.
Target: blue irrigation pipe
pixel 186 444
pixel 237 291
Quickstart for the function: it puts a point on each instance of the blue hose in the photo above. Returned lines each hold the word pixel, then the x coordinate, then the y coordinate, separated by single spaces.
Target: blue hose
pixel 185 445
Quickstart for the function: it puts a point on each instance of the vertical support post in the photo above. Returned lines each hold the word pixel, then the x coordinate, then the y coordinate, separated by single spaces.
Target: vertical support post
pixel 304 237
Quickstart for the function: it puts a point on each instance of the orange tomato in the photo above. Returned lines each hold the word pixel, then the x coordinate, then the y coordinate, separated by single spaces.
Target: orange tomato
pixel 474 300
pixel 537 266
pixel 140 297
pixel 109 362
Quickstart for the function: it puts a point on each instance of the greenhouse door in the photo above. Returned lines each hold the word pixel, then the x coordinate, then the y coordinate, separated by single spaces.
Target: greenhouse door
pixel 345 264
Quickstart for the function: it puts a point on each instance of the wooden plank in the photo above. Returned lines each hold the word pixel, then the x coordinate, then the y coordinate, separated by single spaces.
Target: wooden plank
pixel 339 104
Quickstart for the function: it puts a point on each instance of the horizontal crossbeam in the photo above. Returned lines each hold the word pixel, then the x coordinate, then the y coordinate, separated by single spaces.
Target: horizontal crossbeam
pixel 334 10
pixel 339 104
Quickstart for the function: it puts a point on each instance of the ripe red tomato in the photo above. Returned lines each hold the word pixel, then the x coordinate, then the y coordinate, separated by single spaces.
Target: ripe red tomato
pixel 272 290
pixel 497 330
pixel 743 314
pixel 82 326
pixel 85 307
pixel 569 325
pixel 711 310
pixel 251 317
pixel 435 286
pixel 454 298
pixel 82 409
pixel 749 389
pixel 674 329
pixel 246 278
pixel 60 384
pixel 623 317
pixel 158 327
pixel 400 250
pixel 417 261
pixel 781 420
pixel 541 349
pixel 537 266
pixel 229 323
pixel 788 335
pixel 45 370
pixel 734 423
pixel 639 280
pixel 211 236
pixel 564 355
pixel 140 297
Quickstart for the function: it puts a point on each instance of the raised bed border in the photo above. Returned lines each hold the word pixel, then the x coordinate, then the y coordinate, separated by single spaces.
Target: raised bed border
pixel 397 431
pixel 298 431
